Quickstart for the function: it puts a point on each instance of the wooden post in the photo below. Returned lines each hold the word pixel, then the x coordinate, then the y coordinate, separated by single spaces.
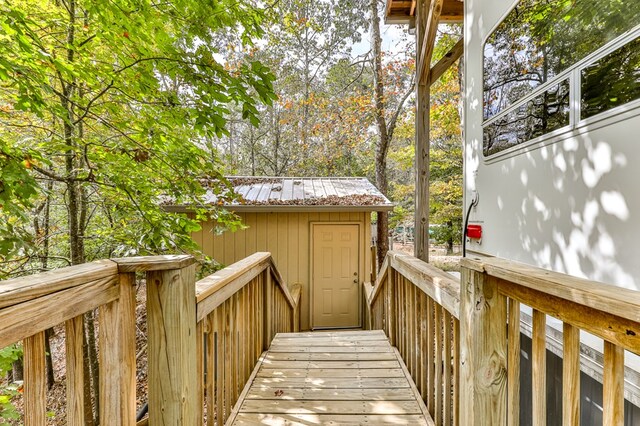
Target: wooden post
pixel 427 17
pixel 117 355
pixel 172 359
pixel 421 227
pixel 268 309
pixel 483 348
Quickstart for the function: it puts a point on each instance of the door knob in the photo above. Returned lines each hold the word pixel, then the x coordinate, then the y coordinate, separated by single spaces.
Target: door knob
pixel 355 281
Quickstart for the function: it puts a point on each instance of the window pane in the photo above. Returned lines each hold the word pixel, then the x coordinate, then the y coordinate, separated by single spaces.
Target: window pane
pixel 541 38
pixel 545 113
pixel 613 80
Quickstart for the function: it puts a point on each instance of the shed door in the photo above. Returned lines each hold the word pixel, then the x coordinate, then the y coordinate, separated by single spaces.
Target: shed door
pixel 335 280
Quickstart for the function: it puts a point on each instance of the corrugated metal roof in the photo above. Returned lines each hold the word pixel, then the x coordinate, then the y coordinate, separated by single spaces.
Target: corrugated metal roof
pixel 301 193
pixel 308 192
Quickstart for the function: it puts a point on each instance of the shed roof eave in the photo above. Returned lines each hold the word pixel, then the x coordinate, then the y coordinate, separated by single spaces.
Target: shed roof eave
pixel 288 209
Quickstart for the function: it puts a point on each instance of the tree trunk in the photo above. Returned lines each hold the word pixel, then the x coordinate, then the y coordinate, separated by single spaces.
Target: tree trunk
pixel 51 380
pixel 382 145
pixel 18 369
pixel 450 239
pixel 74 195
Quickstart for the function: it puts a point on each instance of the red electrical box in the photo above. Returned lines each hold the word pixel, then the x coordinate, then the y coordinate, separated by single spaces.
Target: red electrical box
pixel 474 231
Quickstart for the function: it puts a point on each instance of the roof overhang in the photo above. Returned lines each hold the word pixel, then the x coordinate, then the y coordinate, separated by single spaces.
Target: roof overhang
pixel 403 11
pixel 248 208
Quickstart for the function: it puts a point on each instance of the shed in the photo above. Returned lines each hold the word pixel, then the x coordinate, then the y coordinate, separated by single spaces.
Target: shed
pixel 318 231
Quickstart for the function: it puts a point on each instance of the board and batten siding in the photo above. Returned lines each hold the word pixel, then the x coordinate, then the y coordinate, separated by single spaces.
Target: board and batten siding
pixel 286 236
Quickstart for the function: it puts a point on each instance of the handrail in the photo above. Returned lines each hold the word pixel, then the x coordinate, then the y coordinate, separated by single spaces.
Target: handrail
pixel 21 289
pixel 30 305
pixel 239 310
pixel 476 325
pixel 201 334
pixel 418 305
pixel 596 295
pixel 437 284
pixel 494 289
pixel 213 290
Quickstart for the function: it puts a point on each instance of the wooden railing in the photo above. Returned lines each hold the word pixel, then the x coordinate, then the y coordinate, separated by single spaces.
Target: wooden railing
pixel 232 307
pixel 240 309
pixel 417 305
pixel 490 383
pixel 468 371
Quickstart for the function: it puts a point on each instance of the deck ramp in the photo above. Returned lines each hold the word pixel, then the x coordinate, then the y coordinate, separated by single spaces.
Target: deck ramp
pixel 340 378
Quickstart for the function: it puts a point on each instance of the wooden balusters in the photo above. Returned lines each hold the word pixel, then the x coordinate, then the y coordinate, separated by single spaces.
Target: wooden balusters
pixel 425 330
pixel 604 311
pixel 613 386
pixel 35 380
pixel 203 338
pixel 75 371
pixel 240 309
pixel 513 364
pixel 571 376
pixel 117 355
pixel 539 368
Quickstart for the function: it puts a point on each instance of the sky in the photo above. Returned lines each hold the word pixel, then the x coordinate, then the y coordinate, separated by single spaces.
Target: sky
pixel 394 39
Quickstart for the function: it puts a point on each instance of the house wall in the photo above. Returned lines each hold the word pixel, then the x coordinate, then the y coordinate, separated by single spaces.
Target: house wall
pixel 287 237
pixel 566 202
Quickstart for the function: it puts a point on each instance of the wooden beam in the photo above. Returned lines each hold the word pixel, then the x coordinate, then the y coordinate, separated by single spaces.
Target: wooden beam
pixel 428 38
pixel 403 12
pixel 387 10
pixel 452 11
pixel 446 61
pixel 427 15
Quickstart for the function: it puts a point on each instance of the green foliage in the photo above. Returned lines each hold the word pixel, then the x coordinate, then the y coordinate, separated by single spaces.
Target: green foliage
pixel 8 355
pixel 445 187
pixel 112 101
pixel 17 190
pixel 321 111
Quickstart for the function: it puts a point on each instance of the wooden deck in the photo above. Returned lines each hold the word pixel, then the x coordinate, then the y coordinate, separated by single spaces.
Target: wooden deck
pixel 342 377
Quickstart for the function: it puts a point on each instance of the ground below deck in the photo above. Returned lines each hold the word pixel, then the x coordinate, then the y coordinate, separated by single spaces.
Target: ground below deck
pixel 342 377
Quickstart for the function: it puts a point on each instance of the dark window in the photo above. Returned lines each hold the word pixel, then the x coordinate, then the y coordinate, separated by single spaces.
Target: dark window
pixel 611 81
pixel 544 113
pixel 541 38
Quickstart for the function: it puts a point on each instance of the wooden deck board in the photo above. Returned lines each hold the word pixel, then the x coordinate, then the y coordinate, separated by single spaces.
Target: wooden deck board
pixel 329 356
pixel 328 419
pixel 346 378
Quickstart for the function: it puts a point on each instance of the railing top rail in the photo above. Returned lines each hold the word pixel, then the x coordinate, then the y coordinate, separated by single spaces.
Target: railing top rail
pixel 30 287
pixel 213 290
pixel 442 287
pixel 377 285
pixel 154 263
pixel 251 265
pixel 622 302
pixel 437 284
